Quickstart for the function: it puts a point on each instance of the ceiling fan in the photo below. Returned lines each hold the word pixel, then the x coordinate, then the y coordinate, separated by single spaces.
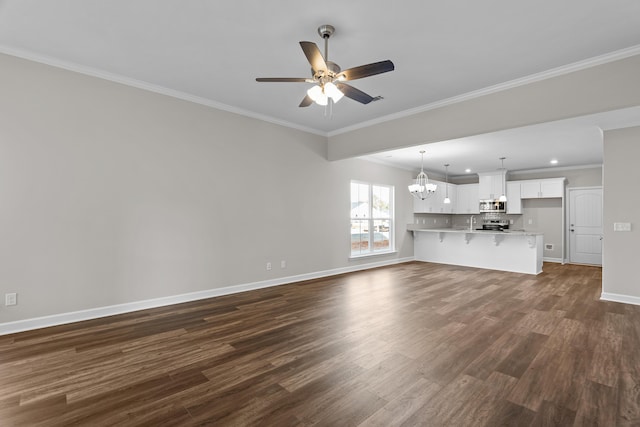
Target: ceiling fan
pixel 328 77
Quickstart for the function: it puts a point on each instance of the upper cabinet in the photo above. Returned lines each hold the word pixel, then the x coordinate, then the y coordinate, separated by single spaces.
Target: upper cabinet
pixel 542 188
pixel 492 185
pixel 467 201
pixel 514 199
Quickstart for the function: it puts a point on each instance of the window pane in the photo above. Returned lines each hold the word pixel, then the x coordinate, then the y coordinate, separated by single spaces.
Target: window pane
pixel 359 200
pixel 381 202
pixel 359 236
pixel 381 240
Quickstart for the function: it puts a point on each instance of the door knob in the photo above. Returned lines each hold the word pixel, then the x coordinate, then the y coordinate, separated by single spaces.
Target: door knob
pixel 572 230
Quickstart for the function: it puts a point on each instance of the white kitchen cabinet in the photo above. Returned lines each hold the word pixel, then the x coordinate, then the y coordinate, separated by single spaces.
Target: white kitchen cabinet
pixel 542 188
pixel 492 185
pixel 467 199
pixel 552 187
pixel 514 200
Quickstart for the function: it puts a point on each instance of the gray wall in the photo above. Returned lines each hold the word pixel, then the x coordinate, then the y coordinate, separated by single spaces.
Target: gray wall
pixel 111 194
pixel 600 88
pixel 621 204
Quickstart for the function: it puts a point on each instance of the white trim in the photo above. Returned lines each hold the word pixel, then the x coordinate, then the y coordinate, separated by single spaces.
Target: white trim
pixel 556 260
pixel 371 254
pixel 533 78
pixel 94 313
pixel 127 81
pixel 625 299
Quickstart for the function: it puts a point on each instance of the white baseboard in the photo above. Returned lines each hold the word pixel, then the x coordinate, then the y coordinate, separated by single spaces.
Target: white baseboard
pixel 625 299
pixel 94 313
pixel 557 260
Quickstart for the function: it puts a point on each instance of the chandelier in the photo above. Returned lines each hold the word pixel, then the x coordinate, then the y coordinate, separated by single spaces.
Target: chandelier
pixel 422 188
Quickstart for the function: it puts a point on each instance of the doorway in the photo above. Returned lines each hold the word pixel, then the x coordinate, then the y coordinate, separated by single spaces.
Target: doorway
pixel 585 225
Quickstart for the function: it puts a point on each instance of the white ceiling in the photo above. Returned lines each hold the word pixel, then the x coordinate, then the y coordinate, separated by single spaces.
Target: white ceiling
pixel 212 51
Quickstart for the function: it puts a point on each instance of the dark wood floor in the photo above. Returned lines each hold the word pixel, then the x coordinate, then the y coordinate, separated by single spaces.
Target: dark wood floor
pixel 413 344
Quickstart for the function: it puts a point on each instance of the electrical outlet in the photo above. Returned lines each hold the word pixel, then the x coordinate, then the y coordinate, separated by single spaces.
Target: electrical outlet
pixel 446 221
pixel 10 299
pixel 268 266
pixel 435 221
pixel 283 264
pixel 530 221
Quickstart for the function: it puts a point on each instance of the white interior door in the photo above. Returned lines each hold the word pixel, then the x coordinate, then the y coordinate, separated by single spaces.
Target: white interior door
pixel 585 226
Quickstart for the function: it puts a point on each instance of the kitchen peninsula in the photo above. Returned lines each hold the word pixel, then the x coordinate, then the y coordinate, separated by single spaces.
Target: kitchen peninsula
pixel 515 251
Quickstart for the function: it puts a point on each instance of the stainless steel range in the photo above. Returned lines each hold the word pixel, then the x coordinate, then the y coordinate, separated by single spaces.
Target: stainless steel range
pixel 495 222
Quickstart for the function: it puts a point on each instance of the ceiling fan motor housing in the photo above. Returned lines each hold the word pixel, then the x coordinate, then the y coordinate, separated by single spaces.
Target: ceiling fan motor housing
pixel 326 30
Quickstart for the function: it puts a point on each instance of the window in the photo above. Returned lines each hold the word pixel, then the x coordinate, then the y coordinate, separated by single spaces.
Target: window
pixel 371 218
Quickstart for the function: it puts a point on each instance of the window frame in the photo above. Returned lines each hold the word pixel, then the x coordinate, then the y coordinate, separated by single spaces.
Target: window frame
pixel 371 220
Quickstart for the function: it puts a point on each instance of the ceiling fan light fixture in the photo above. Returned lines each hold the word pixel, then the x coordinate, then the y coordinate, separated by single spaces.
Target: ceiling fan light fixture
pixel 323 99
pixel 314 92
pixel 333 92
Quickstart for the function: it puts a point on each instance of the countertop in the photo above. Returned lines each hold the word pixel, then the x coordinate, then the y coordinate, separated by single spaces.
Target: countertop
pixel 416 227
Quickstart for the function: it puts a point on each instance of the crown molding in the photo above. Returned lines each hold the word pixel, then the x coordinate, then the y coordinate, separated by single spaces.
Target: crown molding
pixel 93 72
pixel 555 169
pixel 139 84
pixel 554 72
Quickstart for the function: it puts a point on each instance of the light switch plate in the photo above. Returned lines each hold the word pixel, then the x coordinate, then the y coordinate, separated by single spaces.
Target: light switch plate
pixel 621 226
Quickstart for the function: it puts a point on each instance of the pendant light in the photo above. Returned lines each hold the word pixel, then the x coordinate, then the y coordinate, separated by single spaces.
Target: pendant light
pixel 422 187
pixel 447 200
pixel 503 198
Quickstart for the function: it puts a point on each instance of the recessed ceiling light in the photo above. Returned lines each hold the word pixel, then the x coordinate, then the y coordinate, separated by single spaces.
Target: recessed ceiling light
pixel 554 162
pixel 467 170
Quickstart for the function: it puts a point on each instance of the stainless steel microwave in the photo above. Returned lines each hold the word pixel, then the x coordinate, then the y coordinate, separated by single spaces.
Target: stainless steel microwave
pixel 492 206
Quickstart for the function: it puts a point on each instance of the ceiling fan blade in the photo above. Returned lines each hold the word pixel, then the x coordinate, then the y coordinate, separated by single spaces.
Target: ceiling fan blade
pixel 283 79
pixel 314 56
pixel 306 101
pixel 353 93
pixel 368 70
